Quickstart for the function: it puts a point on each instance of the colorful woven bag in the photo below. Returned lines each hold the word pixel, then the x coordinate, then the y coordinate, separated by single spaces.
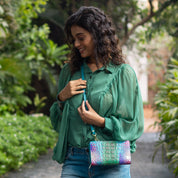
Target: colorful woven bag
pixel 107 152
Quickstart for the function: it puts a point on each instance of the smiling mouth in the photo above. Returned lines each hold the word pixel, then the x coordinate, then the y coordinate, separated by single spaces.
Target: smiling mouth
pixel 81 50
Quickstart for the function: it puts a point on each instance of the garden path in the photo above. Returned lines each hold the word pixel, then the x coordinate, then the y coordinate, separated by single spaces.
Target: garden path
pixel 141 167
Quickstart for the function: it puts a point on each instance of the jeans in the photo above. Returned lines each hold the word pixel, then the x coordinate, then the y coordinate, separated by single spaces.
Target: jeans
pixel 77 164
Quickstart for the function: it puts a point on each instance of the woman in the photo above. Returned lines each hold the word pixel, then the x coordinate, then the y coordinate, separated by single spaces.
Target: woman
pixel 114 100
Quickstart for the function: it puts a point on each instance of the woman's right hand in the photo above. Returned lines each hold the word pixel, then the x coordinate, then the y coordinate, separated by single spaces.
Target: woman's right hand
pixel 74 87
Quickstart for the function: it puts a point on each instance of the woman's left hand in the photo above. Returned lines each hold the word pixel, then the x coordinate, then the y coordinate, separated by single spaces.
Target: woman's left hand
pixel 90 116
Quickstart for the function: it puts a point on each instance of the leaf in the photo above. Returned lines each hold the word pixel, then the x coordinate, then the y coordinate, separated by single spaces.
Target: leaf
pixel 167 105
pixel 173 112
pixel 1 10
pixel 174 92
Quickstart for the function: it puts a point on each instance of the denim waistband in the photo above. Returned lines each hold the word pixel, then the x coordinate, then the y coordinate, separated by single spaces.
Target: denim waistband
pixel 78 150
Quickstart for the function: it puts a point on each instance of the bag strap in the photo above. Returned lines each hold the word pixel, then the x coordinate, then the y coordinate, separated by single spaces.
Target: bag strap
pixel 85 98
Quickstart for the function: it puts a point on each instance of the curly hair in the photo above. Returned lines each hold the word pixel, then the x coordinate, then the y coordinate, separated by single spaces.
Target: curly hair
pixel 100 27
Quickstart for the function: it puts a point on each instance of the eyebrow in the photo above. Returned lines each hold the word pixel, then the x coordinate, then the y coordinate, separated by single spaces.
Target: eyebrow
pixel 78 34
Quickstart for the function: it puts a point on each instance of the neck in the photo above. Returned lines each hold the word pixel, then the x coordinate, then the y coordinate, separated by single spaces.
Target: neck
pixel 92 65
pixel 91 61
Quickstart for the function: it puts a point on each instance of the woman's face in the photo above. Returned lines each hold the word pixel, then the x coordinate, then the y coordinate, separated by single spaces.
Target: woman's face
pixel 83 41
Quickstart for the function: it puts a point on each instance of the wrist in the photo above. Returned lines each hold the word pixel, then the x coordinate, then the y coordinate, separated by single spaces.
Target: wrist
pixel 60 97
pixel 102 123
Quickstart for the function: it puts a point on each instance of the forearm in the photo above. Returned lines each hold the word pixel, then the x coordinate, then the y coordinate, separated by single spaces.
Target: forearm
pixel 100 122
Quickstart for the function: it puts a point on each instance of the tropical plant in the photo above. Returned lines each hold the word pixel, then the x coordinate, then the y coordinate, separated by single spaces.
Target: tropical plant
pixel 167 105
pixel 39 102
pixel 25 50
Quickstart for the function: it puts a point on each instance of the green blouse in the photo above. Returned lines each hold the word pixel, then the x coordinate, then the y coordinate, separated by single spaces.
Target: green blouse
pixel 113 92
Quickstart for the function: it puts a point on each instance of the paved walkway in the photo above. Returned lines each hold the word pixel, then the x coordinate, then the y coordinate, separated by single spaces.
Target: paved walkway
pixel 142 166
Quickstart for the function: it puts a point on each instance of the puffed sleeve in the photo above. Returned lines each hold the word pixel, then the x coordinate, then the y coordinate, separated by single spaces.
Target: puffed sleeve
pixel 57 107
pixel 126 121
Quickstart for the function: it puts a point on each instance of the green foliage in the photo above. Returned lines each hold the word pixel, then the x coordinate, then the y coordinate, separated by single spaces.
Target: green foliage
pixel 25 50
pixel 167 105
pixel 127 16
pixel 14 79
pixel 23 139
pixel 122 12
pixel 39 102
pixel 3 23
pixel 164 22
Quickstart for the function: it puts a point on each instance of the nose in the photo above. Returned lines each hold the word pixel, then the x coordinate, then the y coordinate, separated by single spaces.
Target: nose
pixel 76 43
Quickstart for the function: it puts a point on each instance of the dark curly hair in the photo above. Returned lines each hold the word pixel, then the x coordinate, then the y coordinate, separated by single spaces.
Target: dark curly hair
pixel 100 27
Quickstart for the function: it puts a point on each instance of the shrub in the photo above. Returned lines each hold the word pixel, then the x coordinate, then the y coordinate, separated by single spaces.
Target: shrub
pixel 23 139
pixel 25 51
pixel 167 105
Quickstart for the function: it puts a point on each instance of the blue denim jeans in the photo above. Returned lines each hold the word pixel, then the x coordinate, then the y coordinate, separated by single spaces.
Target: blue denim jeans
pixel 77 164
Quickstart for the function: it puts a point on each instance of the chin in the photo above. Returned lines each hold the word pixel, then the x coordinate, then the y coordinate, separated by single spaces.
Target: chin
pixel 84 56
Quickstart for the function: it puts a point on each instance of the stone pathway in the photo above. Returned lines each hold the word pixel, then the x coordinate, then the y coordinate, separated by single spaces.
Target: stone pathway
pixel 142 166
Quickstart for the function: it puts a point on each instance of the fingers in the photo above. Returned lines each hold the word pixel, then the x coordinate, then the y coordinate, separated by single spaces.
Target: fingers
pixel 79 87
pixel 79 110
pixel 90 116
pixel 88 105
pixel 81 114
pixel 83 106
pixel 82 109
pixel 80 82
pixel 75 87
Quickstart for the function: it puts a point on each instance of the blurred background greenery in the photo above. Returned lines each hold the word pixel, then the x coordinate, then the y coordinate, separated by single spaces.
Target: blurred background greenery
pixel 33 50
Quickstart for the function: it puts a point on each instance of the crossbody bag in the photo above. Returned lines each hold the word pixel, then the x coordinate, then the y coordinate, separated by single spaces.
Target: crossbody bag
pixel 107 152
